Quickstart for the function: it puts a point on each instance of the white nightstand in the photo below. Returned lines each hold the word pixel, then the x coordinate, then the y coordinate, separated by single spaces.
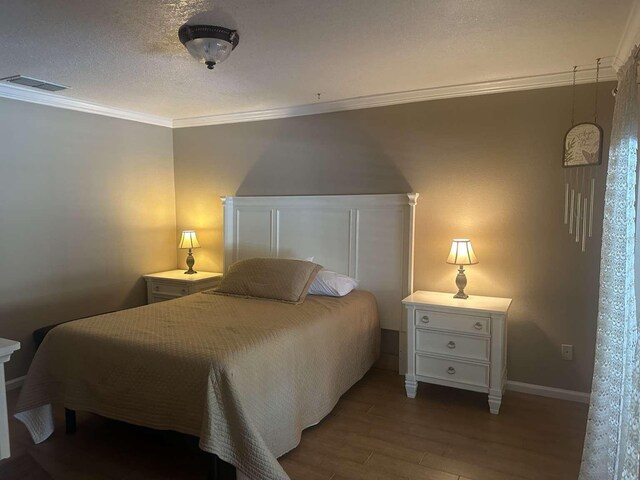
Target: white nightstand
pixel 175 283
pixel 7 347
pixel 458 343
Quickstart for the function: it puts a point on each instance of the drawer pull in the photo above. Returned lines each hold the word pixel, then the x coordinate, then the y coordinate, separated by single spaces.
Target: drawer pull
pixel 451 371
pixel 157 287
pixel 184 290
pixel 425 319
pixel 451 345
pixel 478 326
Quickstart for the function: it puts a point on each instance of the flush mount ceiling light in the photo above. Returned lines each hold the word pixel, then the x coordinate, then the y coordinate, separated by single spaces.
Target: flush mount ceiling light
pixel 208 44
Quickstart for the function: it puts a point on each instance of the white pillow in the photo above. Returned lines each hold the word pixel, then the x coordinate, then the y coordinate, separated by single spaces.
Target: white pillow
pixel 332 284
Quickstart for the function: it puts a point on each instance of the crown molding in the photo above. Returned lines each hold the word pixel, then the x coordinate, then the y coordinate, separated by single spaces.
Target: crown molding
pixel 385 99
pixel 630 36
pixel 464 90
pixel 25 94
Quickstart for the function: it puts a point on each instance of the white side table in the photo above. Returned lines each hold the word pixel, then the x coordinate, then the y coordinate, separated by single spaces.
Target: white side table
pixel 175 283
pixel 457 343
pixel 7 347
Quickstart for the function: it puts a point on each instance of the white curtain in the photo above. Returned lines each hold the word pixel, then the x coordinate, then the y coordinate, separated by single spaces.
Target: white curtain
pixel 612 444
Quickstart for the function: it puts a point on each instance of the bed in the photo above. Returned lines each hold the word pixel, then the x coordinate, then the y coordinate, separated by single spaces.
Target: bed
pixel 244 375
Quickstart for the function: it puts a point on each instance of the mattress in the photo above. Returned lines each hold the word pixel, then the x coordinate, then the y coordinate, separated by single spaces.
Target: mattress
pixel 244 375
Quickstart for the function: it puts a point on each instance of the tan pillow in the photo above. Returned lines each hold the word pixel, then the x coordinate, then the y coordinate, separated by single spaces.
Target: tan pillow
pixel 280 279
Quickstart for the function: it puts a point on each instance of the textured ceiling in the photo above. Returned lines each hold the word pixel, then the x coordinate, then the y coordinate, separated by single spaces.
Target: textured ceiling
pixel 125 53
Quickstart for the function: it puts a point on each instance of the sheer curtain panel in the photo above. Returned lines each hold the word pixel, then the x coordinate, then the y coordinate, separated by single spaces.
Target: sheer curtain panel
pixel 612 442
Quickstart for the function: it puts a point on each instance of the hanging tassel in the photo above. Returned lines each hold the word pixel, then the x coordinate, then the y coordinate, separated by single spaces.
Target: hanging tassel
pixel 584 225
pixel 566 203
pixel 571 210
pixel 593 188
pixel 578 205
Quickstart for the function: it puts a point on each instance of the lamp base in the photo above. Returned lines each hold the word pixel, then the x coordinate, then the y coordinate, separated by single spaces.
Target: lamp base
pixel 461 282
pixel 190 263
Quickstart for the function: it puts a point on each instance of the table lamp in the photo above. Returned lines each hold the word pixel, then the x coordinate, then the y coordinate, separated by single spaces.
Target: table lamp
pixel 461 254
pixel 189 241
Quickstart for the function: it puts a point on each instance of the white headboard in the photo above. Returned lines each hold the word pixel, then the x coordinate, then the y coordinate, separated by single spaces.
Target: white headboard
pixel 368 237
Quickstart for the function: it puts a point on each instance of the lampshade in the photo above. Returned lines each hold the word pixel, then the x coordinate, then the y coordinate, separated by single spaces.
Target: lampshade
pixel 462 252
pixel 189 240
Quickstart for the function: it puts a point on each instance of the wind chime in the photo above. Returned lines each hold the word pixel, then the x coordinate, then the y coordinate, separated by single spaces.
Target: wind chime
pixel 582 154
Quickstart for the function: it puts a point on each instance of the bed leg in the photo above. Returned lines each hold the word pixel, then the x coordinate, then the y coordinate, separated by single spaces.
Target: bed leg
pixel 70 420
pixel 218 469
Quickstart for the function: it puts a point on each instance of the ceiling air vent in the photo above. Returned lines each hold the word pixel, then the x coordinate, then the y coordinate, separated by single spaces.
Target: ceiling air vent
pixel 34 83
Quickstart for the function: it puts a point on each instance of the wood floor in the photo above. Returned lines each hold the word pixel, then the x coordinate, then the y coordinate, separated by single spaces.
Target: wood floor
pixel 374 433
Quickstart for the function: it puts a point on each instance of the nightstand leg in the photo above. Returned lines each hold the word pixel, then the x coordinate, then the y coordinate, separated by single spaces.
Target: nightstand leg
pixel 410 385
pixel 495 400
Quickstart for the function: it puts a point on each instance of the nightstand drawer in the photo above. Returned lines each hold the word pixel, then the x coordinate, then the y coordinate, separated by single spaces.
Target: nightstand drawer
pixel 453 322
pixel 473 348
pixel 452 370
pixel 168 289
pixel 160 298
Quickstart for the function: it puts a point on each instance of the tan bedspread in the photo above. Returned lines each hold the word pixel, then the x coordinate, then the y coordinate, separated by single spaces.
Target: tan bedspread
pixel 246 376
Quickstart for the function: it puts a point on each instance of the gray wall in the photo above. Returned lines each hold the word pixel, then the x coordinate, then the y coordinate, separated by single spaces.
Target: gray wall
pixel 487 167
pixel 87 205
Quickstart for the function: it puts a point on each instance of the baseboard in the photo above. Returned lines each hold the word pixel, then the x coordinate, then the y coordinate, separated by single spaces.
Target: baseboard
pixel 15 383
pixel 541 390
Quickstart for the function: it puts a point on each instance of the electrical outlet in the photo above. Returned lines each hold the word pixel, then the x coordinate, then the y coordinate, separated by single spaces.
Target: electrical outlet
pixel 567 352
